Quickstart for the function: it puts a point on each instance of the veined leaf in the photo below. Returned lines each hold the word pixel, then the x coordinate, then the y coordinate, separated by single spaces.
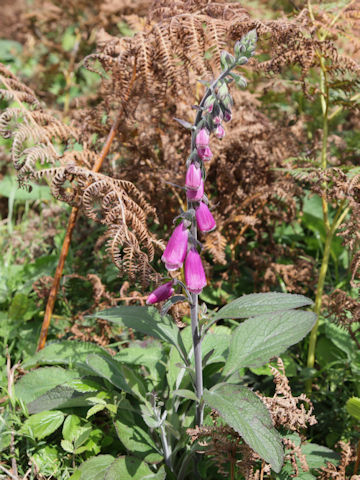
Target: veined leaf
pixel 258 339
pixel 146 320
pixel 43 424
pixel 249 417
pixel 259 303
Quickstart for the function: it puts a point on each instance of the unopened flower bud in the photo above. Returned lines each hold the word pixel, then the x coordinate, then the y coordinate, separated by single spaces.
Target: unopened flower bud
pixel 196 195
pixel 217 120
pixel 193 177
pixel 220 132
pixel 160 293
pixel 227 116
pixel 205 220
pixel 202 138
pixel 205 154
pixel 175 251
pixel 195 278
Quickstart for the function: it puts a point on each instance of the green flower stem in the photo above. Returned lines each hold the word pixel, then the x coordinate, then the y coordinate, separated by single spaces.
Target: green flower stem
pixel 324 89
pixel 194 307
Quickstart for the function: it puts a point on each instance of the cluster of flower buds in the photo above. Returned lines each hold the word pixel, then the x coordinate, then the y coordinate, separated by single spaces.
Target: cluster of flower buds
pixel 214 109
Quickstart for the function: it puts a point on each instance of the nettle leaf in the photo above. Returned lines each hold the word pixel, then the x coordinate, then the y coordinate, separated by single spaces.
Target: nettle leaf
pixel 258 339
pixel 259 303
pixel 66 352
pixel 249 417
pixel 146 320
pixel 36 383
pixel 43 424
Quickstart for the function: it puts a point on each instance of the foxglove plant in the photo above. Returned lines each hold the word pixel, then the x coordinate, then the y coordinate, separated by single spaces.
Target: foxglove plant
pixel 214 108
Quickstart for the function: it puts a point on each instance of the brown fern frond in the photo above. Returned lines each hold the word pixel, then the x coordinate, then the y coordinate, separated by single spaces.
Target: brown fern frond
pixel 120 205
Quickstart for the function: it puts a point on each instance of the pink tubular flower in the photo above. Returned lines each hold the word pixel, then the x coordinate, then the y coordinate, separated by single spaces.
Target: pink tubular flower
pixel 175 251
pixel 202 138
pixel 196 195
pixel 220 132
pixel 204 218
pixel 160 293
pixel 195 278
pixel 205 153
pixel 193 177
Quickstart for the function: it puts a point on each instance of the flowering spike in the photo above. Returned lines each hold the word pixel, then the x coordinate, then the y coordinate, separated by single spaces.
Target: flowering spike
pixel 196 195
pixel 202 138
pixel 195 278
pixel 205 220
pixel 175 251
pixel 160 293
pixel 193 177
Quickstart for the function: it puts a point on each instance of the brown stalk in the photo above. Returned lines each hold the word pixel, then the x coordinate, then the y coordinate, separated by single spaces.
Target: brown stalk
pixel 356 467
pixel 71 225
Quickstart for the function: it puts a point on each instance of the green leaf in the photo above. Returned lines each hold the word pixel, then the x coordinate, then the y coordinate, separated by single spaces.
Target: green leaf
pixel 61 396
pixel 129 468
pixel 71 427
pixel 5 429
pixel 108 368
pixel 43 424
pixel 146 320
pixel 259 303
pixel 317 456
pixel 136 440
pixel 9 188
pixel 36 383
pixel 46 461
pixel 249 417
pixel 189 394
pixel 66 352
pixel 93 469
pixel 353 407
pixel 258 339
pixel 105 467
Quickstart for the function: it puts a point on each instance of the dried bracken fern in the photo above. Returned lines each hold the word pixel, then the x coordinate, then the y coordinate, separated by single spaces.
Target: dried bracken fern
pixel 43 149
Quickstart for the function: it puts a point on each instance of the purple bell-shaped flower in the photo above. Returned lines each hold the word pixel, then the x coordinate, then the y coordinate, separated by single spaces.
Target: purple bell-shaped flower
pixel 193 177
pixel 205 220
pixel 160 293
pixel 195 278
pixel 196 195
pixel 175 251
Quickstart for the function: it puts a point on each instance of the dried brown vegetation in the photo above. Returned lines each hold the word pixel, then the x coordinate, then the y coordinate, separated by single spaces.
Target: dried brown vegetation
pixel 173 44
pixel 43 148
